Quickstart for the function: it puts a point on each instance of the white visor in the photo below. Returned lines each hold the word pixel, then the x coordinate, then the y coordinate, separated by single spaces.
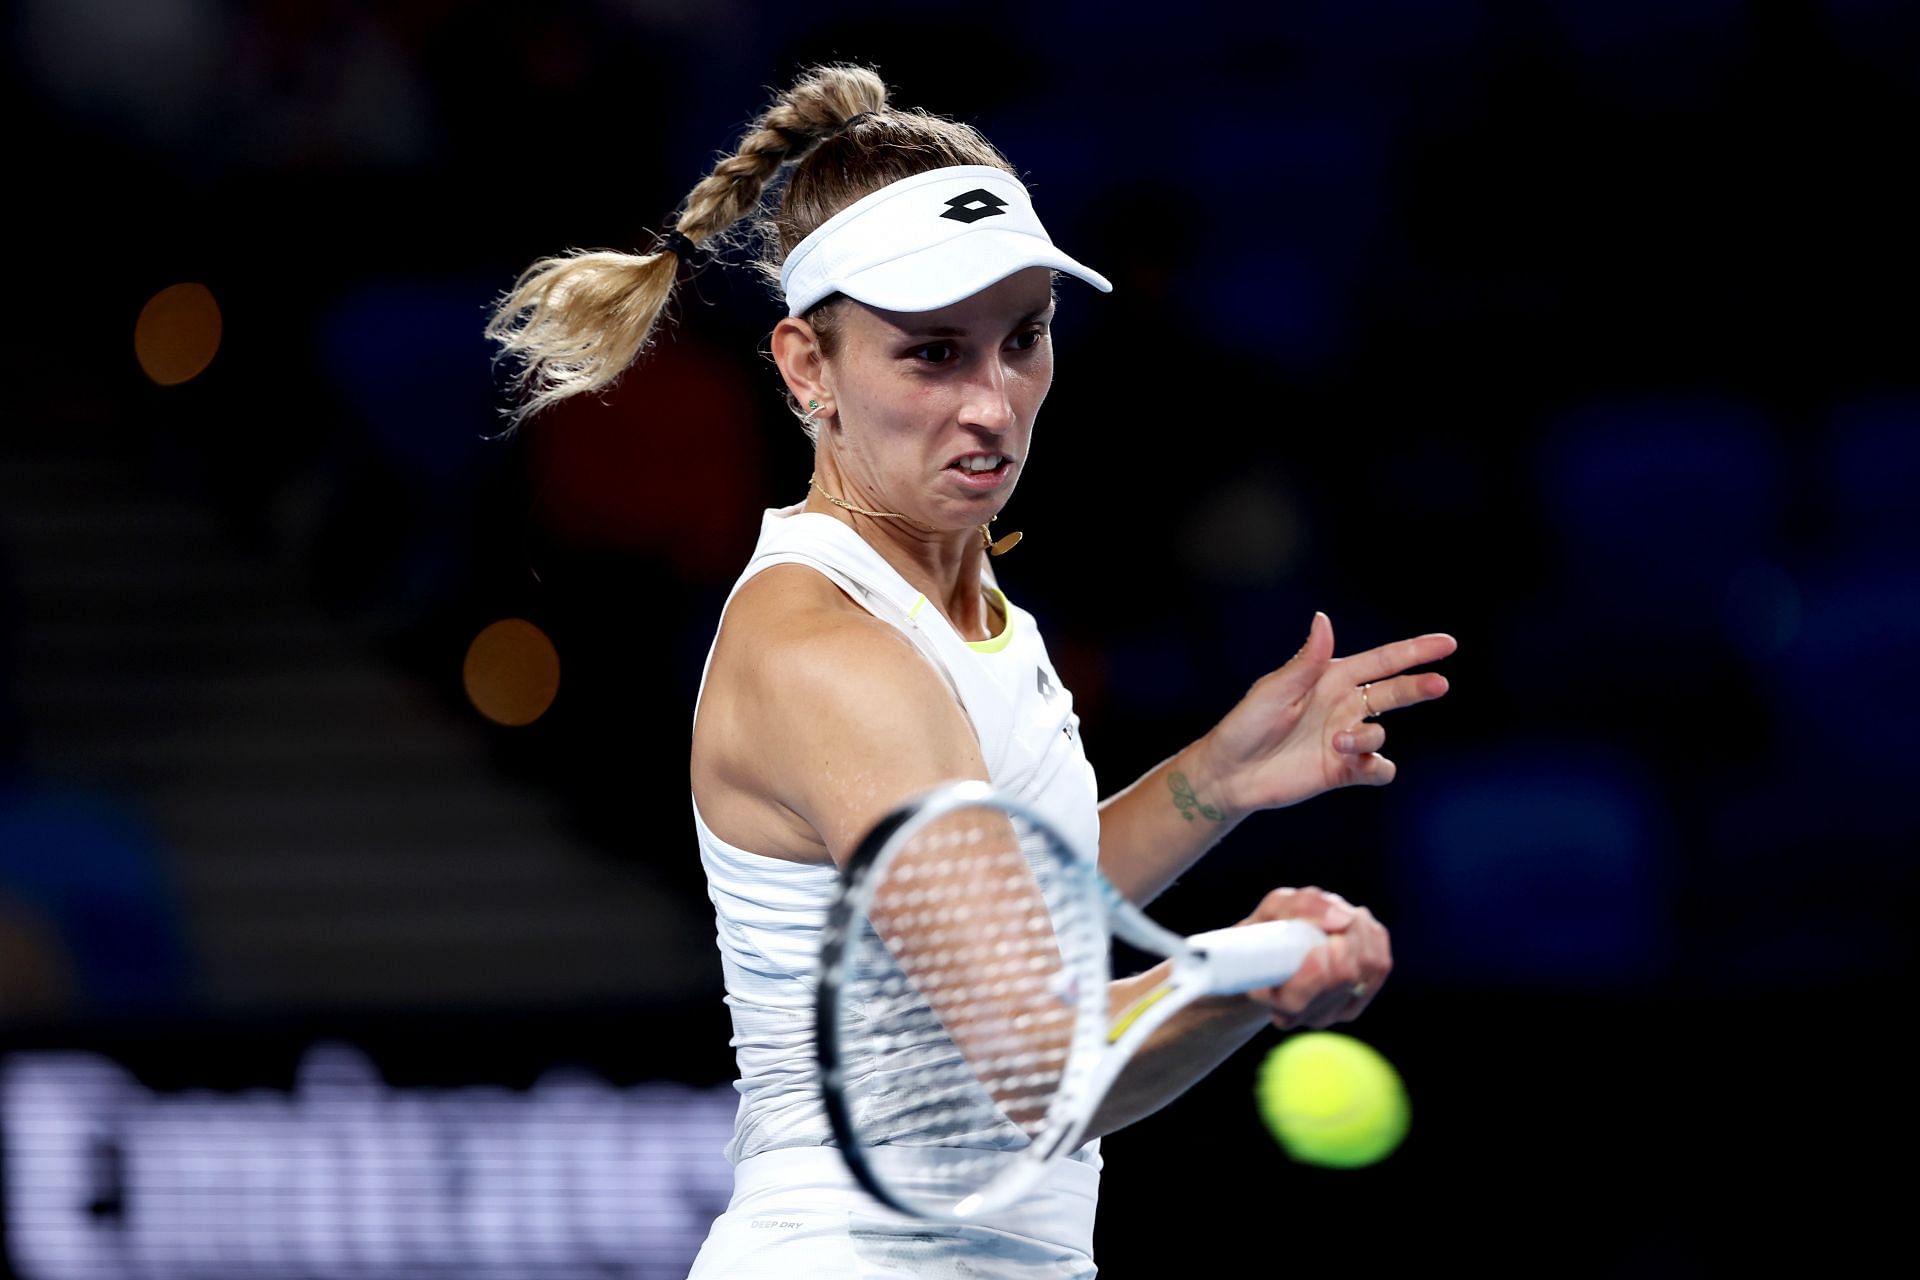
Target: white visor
pixel 926 242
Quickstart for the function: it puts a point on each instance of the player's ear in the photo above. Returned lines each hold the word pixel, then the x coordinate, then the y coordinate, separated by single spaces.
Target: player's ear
pixel 797 353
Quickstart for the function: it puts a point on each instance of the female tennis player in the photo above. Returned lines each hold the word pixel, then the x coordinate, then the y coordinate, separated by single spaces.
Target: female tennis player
pixel 867 653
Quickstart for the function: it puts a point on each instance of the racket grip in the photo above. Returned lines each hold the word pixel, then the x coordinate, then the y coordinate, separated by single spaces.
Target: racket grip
pixel 1255 955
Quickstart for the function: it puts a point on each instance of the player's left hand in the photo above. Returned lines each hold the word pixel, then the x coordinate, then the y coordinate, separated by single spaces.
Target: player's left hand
pixel 1306 728
pixel 1336 982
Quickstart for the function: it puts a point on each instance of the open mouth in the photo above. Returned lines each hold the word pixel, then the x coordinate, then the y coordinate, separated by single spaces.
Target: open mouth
pixel 982 468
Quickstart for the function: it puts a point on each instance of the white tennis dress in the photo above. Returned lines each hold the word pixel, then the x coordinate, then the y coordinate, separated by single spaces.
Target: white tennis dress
pixel 796 1212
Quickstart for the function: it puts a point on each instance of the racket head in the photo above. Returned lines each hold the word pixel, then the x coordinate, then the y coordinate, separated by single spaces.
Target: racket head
pixel 962 1006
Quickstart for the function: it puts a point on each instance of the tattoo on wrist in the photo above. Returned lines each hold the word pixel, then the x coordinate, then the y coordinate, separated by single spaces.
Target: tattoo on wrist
pixel 1189 804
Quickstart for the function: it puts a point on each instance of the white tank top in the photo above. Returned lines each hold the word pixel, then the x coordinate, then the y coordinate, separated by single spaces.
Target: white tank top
pixel 769 911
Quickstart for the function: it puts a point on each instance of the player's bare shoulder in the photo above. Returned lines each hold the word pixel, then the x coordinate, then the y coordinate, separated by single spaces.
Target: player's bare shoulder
pixel 811 703
pixel 795 652
pixel 791 631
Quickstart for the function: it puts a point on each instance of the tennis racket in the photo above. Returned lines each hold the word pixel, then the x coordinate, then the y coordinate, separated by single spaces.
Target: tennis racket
pixel 964 1034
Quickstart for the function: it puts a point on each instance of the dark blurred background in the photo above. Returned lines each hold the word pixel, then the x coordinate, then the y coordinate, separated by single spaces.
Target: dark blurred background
pixel 337 938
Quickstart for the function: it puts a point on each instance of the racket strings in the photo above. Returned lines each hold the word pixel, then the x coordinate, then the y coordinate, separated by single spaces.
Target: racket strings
pixel 968 988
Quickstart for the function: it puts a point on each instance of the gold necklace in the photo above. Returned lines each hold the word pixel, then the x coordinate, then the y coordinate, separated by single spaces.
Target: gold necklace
pixel 998 547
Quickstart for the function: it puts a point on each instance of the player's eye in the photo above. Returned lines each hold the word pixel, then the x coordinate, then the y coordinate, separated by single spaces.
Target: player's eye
pixel 1028 339
pixel 936 352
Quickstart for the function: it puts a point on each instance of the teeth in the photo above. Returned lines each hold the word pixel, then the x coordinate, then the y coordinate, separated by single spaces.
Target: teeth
pixel 987 463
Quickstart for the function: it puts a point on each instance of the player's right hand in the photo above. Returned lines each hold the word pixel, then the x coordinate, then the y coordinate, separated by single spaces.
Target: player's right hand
pixel 1336 982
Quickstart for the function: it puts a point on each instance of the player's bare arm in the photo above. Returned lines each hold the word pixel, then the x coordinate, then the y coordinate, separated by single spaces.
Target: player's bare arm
pixel 1301 730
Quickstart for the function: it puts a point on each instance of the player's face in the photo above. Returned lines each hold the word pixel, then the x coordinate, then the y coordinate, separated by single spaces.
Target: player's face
pixel 936 408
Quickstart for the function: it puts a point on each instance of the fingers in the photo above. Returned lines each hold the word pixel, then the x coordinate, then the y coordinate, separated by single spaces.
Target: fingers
pixel 1380 691
pixel 1304 669
pixel 1319 644
pixel 1321 629
pixel 1363 739
pixel 1369 768
pixel 1402 691
pixel 1376 770
pixel 1330 911
pixel 1373 955
pixel 1391 659
pixel 1336 982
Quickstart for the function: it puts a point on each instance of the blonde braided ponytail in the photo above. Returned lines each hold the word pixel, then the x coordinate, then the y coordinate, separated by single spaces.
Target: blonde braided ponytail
pixel 575 321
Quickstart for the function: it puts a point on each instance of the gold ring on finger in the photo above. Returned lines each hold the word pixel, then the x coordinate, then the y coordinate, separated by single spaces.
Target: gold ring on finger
pixel 1359 990
pixel 1365 703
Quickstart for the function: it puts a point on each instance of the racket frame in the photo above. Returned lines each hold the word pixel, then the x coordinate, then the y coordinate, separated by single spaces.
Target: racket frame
pixel 1221 962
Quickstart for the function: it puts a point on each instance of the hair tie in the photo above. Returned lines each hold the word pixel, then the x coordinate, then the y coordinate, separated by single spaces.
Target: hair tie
pixel 677 245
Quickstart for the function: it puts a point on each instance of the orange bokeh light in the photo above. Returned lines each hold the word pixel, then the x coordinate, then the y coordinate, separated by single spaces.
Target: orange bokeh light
pixel 512 672
pixel 177 334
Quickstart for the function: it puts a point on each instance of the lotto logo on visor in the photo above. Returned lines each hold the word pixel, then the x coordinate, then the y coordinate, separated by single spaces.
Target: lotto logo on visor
pixel 974 205
pixel 926 242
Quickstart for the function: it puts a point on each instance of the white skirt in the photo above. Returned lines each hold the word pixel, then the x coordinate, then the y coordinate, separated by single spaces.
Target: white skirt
pixel 797 1213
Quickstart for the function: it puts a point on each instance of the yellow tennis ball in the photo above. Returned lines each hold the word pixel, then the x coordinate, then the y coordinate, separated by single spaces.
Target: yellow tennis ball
pixel 1332 1100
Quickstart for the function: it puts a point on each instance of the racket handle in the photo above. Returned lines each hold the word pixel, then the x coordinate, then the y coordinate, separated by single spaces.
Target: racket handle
pixel 1255 955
